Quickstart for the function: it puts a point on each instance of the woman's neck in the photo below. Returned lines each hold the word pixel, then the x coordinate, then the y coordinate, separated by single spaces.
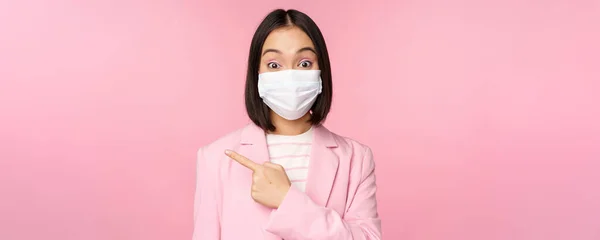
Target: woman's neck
pixel 290 127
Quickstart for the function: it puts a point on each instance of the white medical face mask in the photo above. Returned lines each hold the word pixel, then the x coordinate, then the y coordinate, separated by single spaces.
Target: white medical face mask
pixel 290 93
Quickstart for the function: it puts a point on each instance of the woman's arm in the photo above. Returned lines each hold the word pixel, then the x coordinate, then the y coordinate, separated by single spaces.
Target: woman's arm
pixel 299 218
pixel 206 201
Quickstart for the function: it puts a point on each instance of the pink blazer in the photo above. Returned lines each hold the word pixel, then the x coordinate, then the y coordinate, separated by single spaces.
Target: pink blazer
pixel 339 202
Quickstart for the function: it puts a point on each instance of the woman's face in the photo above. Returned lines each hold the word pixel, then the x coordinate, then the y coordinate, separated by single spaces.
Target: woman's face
pixel 288 48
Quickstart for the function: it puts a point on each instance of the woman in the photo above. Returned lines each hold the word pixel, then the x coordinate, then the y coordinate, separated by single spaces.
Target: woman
pixel 285 176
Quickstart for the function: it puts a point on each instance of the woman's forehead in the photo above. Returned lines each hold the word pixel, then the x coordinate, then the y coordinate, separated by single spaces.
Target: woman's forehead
pixel 287 40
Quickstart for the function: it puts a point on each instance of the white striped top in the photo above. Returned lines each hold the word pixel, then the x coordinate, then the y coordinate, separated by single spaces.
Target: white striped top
pixel 293 153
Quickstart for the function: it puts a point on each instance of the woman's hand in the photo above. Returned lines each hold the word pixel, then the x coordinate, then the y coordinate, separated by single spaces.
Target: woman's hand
pixel 270 183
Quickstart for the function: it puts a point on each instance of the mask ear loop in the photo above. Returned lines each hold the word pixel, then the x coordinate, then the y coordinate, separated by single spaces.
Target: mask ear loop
pixel 320 84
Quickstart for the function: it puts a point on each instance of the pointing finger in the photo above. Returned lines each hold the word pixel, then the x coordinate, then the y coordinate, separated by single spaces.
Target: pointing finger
pixel 242 160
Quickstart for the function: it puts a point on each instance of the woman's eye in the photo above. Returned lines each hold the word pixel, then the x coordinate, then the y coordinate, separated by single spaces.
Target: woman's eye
pixel 305 64
pixel 272 65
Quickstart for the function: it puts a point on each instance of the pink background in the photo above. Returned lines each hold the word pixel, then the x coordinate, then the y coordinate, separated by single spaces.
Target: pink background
pixel 483 115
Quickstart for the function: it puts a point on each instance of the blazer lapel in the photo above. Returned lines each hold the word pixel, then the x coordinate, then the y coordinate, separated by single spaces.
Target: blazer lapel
pixel 323 166
pixel 253 145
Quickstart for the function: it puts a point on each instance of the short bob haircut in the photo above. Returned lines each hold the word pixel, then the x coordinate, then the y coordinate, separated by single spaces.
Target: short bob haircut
pixel 257 110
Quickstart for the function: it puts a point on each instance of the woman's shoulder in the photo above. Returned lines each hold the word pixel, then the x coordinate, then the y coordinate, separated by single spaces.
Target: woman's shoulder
pixel 352 146
pixel 345 141
pixel 357 155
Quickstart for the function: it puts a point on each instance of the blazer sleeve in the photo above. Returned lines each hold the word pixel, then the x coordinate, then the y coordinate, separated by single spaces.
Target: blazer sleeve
pixel 299 218
pixel 206 201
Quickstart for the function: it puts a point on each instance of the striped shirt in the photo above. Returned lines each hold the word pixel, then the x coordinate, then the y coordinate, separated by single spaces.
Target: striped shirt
pixel 293 153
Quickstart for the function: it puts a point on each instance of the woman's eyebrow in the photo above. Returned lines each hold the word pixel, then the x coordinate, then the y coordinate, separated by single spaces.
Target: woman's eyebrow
pixel 271 50
pixel 307 49
pixel 299 51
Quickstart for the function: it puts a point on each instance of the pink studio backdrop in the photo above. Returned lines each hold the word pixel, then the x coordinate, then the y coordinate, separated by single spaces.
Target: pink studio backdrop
pixel 483 115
